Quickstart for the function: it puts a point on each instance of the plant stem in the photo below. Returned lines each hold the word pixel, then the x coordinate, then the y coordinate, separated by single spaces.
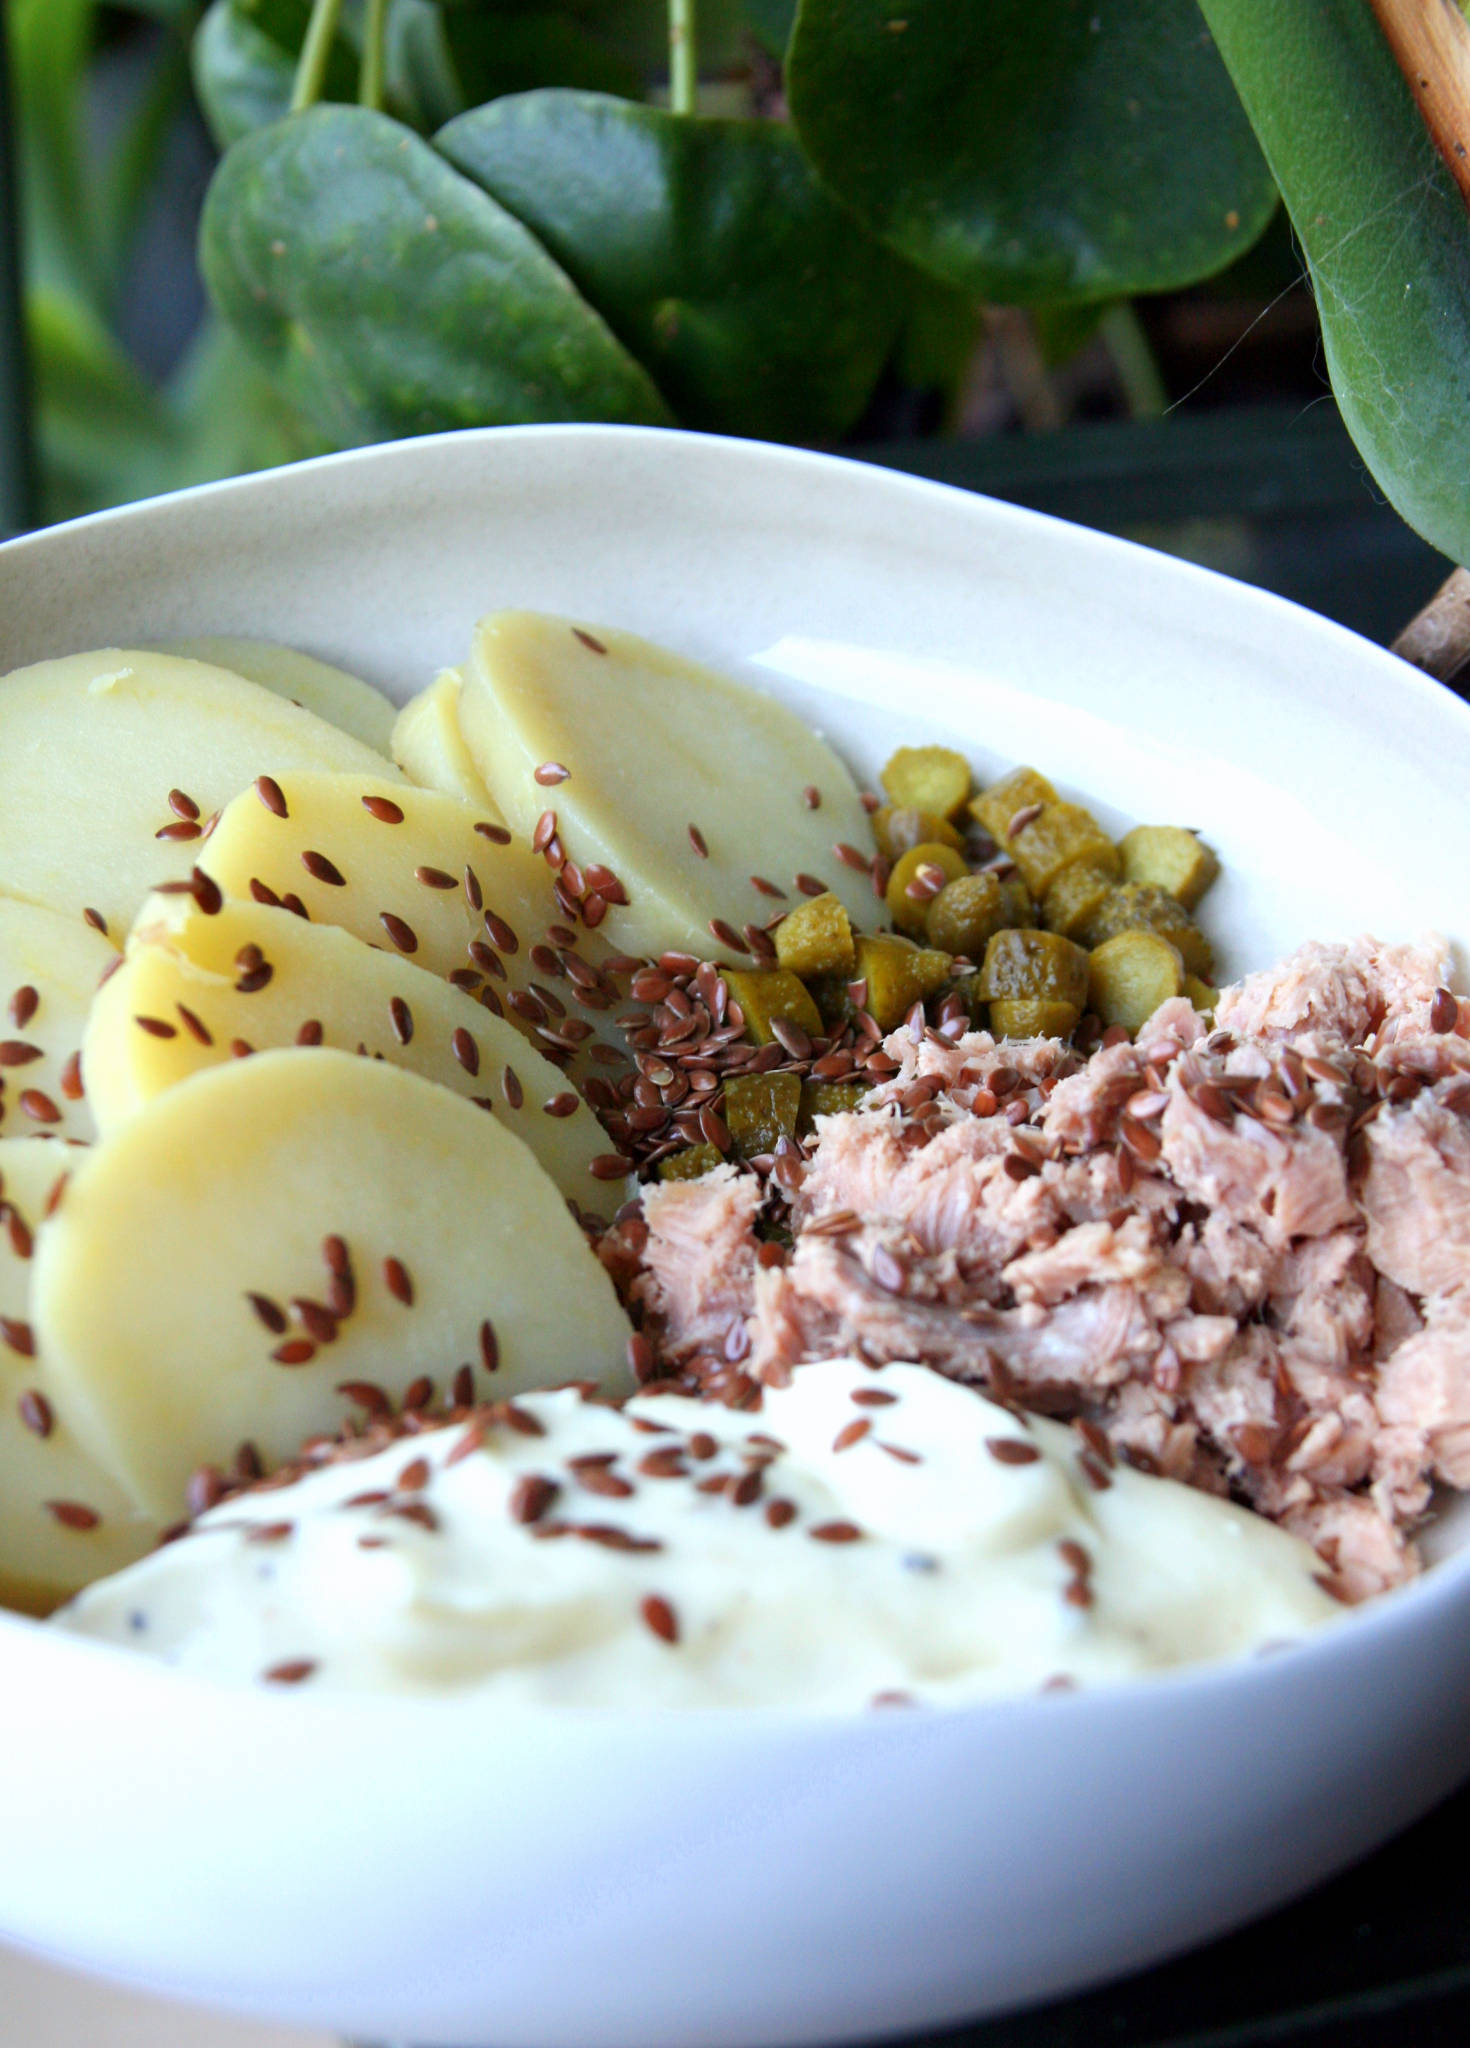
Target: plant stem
pixel 683 58
pixel 311 68
pixel 1431 46
pixel 1437 639
pixel 1133 359
pixel 370 78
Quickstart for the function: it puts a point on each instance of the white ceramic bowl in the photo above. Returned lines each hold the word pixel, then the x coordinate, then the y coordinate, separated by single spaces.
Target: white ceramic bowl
pixel 578 1879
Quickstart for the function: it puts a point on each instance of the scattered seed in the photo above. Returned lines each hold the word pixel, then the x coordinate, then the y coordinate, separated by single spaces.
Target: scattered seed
pixel 397 1281
pixel 182 828
pixel 835 1532
pixel 496 834
pixel 811 885
pixel 589 641
pixel 96 920
pixel 501 934
pixel 35 1412
pixel 852 1433
pixel 531 1496
pixel 39 1107
pixel 434 878
pixel 811 796
pixel 489 1347
pixel 194 1025
pixel 401 1018
pixel 23 1006
pixel 767 888
pixel 73 1514
pixel 1012 1450
pixel 323 870
pixel 403 935
pixel 269 792
pixel 510 1087
pixel 15 1052
pixel 267 1312
pixel 295 1351
pixel 1444 1011
pixel 294 1671
pixel 1027 815
pixel 182 806
pixel 561 1105
pixel 660 1617
pixel 383 809
pixel 609 1166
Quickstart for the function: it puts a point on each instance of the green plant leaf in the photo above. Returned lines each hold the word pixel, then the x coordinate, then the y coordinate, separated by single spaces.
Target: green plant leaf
pixel 1033 151
pixel 446 60
pixel 387 296
pixel 130 175
pixel 1386 237
pixel 771 23
pixel 244 64
pixel 757 304
pixel 99 425
pixel 50 48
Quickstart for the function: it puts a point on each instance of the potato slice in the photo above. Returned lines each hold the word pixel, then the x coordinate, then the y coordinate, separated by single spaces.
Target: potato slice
pixel 50 965
pixel 106 751
pixel 662 758
pixel 195 987
pixel 182 1296
pixel 63 1523
pixel 344 700
pixel 429 746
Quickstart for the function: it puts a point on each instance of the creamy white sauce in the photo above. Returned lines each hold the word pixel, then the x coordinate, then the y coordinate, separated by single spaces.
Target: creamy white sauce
pixel 972 1575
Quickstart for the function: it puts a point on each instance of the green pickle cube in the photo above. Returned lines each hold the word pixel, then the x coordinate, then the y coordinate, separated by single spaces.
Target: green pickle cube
pixel 928 779
pixel 915 883
pixel 761 1109
pixel 816 938
pixel 766 993
pixel 1034 966
pixel 1169 857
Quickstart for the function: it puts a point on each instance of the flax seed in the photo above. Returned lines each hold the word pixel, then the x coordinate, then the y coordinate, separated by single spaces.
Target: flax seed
pixel 73 1514
pixel 36 1413
pixel 23 1006
pixel 269 792
pixel 294 1671
pixel 39 1107
pixel 323 870
pixel 397 1281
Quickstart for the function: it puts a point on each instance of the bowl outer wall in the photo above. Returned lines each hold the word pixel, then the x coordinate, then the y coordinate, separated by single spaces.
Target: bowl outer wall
pixel 395 1868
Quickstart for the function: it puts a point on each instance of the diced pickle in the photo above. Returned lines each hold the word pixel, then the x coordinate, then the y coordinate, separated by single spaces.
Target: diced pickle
pixel 765 993
pixel 915 882
pixel 1033 1017
pixel 816 938
pixel 689 1164
pixel 1020 909
pixel 1169 857
pixel 898 975
pixel 1031 965
pixel 1073 898
pixel 1130 974
pixel 898 827
pixel 1137 906
pixel 1201 994
pixel 965 913
pixel 995 807
pixel 760 1109
pixel 829 1098
pixel 1058 835
pixel 928 779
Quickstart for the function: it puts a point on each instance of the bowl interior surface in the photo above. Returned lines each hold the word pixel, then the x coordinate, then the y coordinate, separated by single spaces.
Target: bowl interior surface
pixel 1326 774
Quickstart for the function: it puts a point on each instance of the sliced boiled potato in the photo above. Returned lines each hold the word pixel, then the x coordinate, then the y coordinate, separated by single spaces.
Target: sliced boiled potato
pixel 679 783
pixel 197 988
pixel 50 965
pixel 426 874
pixel 183 1291
pixel 430 749
pixel 343 699
pixel 116 760
pixel 63 1523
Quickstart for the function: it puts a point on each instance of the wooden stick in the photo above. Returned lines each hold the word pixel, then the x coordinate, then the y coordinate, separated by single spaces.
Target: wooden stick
pixel 1438 638
pixel 1430 40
